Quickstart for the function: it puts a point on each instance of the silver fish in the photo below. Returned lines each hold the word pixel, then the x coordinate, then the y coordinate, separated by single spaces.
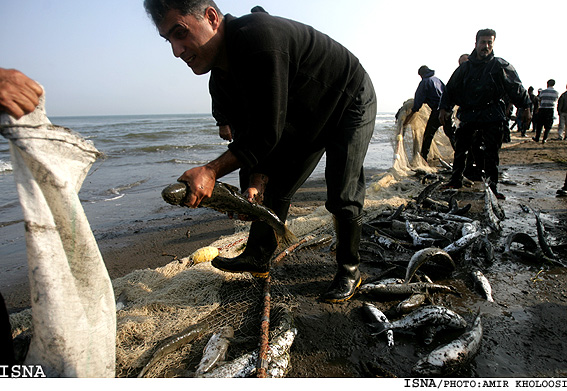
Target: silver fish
pixel 465 241
pixel 243 366
pixel 386 281
pixel 278 367
pixel 215 350
pixel 390 243
pixel 433 231
pixel 174 342
pixel 432 254
pixel 378 316
pixel 431 315
pixel 498 211
pixel 418 241
pixel 406 289
pixel 448 358
pixel 491 216
pixel 425 193
pixel 226 198
pixel 482 284
pixel 450 217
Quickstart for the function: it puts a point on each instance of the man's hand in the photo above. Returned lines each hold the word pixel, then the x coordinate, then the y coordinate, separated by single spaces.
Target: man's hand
pixel 19 95
pixel 225 132
pixel 201 181
pixel 256 188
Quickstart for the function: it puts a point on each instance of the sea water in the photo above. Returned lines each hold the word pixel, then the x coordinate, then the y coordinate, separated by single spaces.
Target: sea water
pixel 142 154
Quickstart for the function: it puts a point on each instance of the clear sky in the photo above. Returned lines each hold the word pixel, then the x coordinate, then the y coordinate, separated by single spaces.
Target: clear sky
pixel 104 57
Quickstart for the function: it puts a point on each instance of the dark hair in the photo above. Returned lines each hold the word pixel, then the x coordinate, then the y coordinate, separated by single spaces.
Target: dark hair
pixel 424 69
pixel 551 82
pixel 157 9
pixel 485 33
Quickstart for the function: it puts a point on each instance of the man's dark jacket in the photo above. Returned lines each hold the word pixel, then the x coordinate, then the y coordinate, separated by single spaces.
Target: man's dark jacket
pixel 287 87
pixel 479 88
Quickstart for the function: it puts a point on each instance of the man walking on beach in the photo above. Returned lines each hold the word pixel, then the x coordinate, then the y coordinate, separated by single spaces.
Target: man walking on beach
pixel 479 87
pixel 292 94
pixel 548 99
pixel 562 112
pixel 429 91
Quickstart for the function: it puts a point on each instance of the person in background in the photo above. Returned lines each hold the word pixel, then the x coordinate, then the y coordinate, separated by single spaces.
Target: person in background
pixel 479 87
pixel 429 91
pixel 19 95
pixel 463 58
pixel 548 100
pixel 562 113
pixel 534 107
pixel 292 94
pixel 535 114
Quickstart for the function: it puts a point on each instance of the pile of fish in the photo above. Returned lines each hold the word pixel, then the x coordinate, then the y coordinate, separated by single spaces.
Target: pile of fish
pixel 213 364
pixel 442 239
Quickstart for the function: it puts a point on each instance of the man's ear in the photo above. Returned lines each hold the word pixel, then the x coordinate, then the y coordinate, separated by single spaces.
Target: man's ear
pixel 213 17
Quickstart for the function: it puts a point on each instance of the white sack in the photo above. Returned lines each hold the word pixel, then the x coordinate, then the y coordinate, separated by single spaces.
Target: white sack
pixel 74 313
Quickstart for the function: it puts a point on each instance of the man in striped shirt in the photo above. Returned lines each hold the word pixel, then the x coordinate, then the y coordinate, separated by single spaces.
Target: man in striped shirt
pixel 546 112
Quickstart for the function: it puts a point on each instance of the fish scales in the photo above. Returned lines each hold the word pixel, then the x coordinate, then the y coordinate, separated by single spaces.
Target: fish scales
pixel 226 198
pixel 465 241
pixel 242 366
pixel 418 240
pixel 215 350
pixel 498 211
pixel 448 358
pixel 431 315
pixel 489 208
pixel 406 289
pixel 482 284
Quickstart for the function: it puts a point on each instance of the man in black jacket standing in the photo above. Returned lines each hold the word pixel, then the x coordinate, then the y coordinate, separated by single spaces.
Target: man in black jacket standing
pixel 480 87
pixel 292 94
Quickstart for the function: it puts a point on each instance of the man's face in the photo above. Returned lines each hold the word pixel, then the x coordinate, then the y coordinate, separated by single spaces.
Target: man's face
pixel 193 40
pixel 484 46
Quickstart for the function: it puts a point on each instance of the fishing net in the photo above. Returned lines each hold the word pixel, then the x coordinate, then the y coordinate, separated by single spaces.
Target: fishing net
pixel 155 304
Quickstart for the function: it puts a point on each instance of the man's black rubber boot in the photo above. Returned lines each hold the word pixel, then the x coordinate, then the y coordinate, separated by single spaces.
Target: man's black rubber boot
pixel 347 279
pixel 255 259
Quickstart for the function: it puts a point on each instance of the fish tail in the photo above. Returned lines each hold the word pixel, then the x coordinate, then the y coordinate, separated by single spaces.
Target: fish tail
pixel 287 238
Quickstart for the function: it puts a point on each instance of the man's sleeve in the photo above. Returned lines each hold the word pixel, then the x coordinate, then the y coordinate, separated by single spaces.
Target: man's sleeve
pixel 514 88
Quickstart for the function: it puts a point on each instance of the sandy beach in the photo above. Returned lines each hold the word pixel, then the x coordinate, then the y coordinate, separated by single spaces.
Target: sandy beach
pixel 524 336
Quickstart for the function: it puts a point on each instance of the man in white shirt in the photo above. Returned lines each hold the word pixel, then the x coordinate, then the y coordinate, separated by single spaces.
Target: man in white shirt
pixel 546 112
